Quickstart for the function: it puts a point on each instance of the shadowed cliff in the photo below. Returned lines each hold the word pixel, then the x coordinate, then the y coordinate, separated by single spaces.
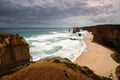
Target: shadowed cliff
pixel 108 35
pixel 14 51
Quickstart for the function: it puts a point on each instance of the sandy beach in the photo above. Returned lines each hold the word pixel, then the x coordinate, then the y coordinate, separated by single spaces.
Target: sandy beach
pixel 98 58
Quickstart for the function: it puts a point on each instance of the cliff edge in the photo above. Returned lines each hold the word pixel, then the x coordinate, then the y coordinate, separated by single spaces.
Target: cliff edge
pixel 14 51
pixel 108 35
pixel 55 68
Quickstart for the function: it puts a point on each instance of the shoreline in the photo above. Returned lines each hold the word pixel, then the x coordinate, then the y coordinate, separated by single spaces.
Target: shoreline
pixel 97 58
pixel 81 52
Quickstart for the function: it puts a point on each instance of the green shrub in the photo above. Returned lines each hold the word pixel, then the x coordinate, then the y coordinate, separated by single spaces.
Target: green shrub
pixel 56 61
pixel 71 65
pixel 118 72
pixel 116 57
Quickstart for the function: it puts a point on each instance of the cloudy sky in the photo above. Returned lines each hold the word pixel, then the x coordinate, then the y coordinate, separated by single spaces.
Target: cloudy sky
pixel 58 13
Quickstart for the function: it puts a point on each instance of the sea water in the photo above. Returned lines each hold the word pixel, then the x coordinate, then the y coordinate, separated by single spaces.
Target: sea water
pixel 45 43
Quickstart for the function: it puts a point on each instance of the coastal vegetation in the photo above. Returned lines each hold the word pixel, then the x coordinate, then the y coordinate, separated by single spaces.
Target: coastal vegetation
pixel 116 57
pixel 118 72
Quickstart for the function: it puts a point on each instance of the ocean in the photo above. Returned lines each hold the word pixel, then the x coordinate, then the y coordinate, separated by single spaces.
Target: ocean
pixel 45 43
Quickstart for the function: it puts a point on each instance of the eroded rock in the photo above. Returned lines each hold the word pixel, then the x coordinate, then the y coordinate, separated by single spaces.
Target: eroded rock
pixel 14 51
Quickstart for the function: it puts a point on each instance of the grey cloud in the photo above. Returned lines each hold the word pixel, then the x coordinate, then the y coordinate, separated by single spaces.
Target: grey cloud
pixel 13 13
pixel 112 18
pixel 47 12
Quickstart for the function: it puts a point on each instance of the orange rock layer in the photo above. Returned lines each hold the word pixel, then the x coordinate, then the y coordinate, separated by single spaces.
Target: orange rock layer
pixel 14 51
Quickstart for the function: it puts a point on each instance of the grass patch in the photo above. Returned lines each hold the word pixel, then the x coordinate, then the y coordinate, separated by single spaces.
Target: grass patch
pixel 67 63
pixel 57 61
pixel 118 72
pixel 82 69
pixel 71 65
pixel 10 71
pixel 116 57
pixel 85 70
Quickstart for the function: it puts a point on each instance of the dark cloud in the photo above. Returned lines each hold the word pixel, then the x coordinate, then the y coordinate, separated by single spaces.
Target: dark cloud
pixel 49 13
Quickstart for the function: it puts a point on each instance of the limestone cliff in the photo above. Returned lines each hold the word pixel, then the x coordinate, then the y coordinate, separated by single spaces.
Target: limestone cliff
pixel 14 51
pixel 77 29
pixel 108 35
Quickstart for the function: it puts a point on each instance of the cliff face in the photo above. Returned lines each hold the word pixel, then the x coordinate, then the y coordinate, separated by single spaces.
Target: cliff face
pixel 108 35
pixel 77 29
pixel 14 51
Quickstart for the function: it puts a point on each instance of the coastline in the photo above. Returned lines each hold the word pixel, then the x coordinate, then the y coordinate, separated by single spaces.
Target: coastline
pixel 97 58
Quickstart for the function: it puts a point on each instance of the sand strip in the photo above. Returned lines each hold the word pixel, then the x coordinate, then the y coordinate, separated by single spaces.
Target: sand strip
pixel 97 58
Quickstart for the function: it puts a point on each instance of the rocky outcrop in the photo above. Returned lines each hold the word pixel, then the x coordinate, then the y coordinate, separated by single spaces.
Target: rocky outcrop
pixel 89 29
pixel 14 51
pixel 54 69
pixel 118 72
pixel 76 29
pixel 108 35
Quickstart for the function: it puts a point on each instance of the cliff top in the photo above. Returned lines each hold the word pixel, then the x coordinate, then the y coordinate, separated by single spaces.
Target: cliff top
pixel 11 40
pixel 53 69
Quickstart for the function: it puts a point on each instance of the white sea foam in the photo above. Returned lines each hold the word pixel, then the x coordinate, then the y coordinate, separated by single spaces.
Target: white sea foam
pixel 56 44
pixel 54 32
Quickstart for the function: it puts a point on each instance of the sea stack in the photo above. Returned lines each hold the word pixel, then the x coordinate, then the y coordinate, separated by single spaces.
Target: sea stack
pixel 76 29
pixel 14 51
